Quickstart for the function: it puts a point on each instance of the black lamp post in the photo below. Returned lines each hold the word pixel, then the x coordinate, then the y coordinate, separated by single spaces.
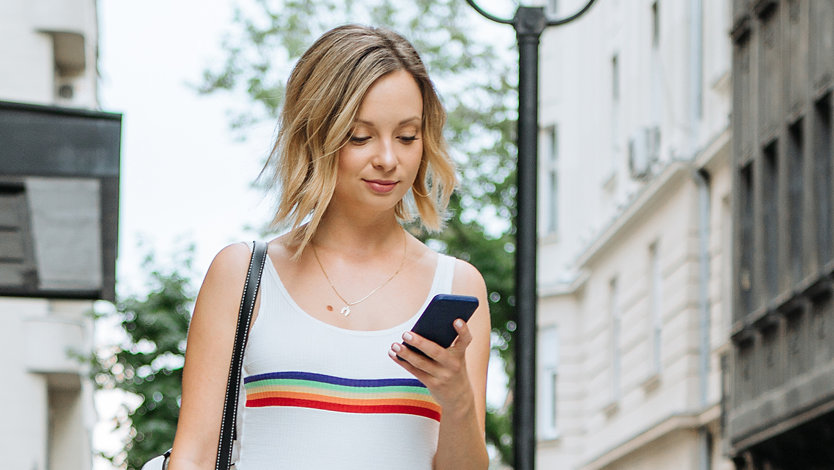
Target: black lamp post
pixel 529 23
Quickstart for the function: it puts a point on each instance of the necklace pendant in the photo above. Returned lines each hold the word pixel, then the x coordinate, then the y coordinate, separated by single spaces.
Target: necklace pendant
pixel 345 310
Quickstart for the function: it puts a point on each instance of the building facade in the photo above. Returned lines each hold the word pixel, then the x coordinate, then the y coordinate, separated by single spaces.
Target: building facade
pixel 59 180
pixel 635 215
pixel 781 404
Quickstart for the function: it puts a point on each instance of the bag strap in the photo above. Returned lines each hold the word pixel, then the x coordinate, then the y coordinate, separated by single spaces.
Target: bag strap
pixel 244 319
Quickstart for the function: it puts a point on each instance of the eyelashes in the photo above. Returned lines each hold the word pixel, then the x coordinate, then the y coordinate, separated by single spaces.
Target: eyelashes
pixel 363 139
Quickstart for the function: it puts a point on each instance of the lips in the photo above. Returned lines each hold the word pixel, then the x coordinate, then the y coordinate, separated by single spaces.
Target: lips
pixel 381 186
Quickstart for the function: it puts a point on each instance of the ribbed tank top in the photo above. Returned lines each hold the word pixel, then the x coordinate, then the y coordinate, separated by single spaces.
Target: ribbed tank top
pixel 316 396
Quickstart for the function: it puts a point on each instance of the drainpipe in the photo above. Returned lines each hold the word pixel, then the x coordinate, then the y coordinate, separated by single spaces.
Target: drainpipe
pixel 701 178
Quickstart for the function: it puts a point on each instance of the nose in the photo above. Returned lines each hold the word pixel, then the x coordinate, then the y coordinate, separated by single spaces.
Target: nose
pixel 385 158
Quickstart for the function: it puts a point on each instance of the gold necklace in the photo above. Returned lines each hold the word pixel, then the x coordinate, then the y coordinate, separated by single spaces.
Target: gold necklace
pixel 346 309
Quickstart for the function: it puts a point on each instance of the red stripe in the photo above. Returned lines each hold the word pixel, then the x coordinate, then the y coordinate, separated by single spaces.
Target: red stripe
pixel 321 405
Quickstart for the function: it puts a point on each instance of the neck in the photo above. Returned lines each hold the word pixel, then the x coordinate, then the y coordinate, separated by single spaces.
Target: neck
pixel 358 235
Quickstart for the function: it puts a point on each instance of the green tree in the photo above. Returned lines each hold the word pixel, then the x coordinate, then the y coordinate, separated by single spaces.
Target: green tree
pixel 147 362
pixel 476 81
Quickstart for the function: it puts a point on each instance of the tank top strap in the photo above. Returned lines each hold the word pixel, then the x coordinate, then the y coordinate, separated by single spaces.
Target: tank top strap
pixel 445 273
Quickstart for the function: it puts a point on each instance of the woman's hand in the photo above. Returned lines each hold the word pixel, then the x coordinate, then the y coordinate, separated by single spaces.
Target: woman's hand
pixel 456 377
pixel 442 370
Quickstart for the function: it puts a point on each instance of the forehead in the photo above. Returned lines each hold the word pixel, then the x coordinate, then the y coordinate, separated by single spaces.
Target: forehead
pixel 392 99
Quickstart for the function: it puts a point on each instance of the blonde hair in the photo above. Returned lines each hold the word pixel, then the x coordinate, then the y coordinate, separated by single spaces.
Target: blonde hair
pixel 323 95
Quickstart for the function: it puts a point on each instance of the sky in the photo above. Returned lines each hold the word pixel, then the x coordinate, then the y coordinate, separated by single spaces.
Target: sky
pixel 185 176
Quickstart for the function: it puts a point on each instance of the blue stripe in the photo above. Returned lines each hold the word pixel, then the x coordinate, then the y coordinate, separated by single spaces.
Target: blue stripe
pixel 334 380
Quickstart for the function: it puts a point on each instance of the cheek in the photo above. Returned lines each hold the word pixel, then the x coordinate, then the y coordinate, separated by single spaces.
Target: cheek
pixel 416 156
pixel 414 161
pixel 343 169
pixel 347 160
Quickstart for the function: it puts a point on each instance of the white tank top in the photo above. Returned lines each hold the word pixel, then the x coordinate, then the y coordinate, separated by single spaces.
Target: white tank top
pixel 318 397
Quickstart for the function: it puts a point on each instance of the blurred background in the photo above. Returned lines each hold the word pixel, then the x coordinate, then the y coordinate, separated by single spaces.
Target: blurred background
pixel 685 215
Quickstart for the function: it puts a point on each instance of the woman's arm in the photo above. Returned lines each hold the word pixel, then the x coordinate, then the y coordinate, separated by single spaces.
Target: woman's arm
pixel 456 378
pixel 207 360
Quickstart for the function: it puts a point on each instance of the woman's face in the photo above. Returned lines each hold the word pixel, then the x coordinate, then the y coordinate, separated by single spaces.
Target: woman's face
pixel 380 161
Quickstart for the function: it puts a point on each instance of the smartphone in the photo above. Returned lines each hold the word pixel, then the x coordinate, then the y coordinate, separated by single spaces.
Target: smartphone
pixel 436 322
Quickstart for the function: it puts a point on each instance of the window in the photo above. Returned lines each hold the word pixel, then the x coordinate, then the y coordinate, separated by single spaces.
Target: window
pixel 655 315
pixel 727 286
pixel 655 25
pixel 655 70
pixel 615 114
pixel 616 331
pixel 552 179
pixel 770 218
pixel 12 222
pixel 16 263
pixel 795 202
pixel 745 269
pixel 822 178
pixel 547 356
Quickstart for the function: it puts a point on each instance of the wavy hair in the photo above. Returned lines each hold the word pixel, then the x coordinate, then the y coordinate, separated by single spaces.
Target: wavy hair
pixel 323 95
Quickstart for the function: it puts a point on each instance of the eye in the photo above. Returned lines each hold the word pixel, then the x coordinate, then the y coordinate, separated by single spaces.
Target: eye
pixel 408 138
pixel 357 139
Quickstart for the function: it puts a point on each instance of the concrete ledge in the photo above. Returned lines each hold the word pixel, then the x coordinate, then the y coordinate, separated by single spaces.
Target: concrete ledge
pixel 788 406
pixel 664 428
pixel 50 342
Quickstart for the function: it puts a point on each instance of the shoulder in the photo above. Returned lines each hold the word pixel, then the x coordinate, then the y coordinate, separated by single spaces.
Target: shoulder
pixel 215 310
pixel 227 272
pixel 232 260
pixel 468 280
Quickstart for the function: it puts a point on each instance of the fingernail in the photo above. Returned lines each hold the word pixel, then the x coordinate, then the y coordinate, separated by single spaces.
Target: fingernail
pixel 392 354
pixel 458 323
pixel 396 347
pixel 407 336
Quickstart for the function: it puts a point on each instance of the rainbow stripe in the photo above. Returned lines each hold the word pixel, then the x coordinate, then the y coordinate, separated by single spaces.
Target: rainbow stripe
pixel 326 392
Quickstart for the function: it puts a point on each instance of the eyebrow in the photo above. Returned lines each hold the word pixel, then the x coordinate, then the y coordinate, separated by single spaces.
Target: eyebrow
pixel 404 121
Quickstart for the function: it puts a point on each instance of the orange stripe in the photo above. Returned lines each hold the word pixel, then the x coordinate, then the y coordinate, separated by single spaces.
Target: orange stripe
pixel 265 390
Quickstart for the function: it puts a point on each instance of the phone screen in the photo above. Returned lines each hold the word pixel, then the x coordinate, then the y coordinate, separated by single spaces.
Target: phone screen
pixel 436 322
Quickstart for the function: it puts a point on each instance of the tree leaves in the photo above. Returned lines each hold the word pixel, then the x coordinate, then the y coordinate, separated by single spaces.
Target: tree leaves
pixel 147 363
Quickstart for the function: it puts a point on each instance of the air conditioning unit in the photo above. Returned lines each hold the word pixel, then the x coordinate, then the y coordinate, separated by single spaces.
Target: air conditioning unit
pixel 65 89
pixel 68 49
pixel 643 151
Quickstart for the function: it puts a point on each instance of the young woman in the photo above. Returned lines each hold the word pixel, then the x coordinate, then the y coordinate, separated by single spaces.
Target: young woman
pixel 359 151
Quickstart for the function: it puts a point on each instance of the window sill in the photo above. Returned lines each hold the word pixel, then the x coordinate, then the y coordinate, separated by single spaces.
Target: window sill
pixel 609 183
pixel 551 438
pixel 549 238
pixel 721 82
pixel 651 383
pixel 610 410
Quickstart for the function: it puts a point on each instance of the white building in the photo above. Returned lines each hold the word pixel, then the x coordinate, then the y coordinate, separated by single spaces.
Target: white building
pixel 58 217
pixel 634 262
pixel 49 50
